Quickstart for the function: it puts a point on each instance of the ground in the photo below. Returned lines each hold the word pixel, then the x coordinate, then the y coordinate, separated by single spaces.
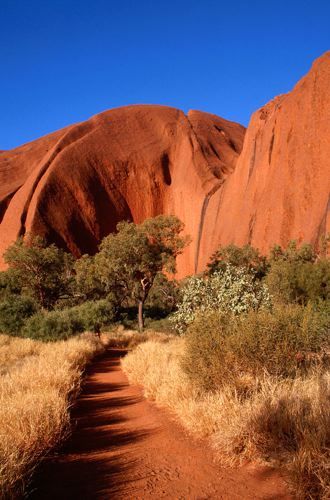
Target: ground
pixel 124 446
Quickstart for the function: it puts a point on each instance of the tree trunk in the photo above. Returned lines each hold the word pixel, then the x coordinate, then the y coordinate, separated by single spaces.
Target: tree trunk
pixel 146 285
pixel 140 315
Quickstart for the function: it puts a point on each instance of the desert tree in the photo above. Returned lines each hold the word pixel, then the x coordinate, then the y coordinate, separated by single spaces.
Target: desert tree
pixel 38 270
pixel 130 259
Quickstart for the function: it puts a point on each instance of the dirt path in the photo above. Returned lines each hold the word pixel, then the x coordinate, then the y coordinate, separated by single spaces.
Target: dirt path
pixel 124 447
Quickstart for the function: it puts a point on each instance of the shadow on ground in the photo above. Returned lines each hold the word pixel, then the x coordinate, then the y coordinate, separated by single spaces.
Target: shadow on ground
pixel 84 468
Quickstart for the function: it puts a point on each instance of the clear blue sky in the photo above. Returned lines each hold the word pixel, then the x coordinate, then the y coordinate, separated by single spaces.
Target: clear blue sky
pixel 64 60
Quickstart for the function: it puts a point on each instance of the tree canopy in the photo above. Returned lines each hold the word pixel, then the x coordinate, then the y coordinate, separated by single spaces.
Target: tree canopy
pixel 37 270
pixel 246 256
pixel 129 260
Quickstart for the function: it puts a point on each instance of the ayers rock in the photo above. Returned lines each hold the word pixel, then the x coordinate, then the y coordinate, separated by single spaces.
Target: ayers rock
pixel 73 186
pixel 268 185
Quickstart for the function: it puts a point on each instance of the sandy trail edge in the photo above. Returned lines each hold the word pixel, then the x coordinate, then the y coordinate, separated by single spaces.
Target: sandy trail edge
pixel 123 446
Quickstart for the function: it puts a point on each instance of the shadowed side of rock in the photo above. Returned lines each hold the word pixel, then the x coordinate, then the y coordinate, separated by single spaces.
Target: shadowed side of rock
pixel 124 164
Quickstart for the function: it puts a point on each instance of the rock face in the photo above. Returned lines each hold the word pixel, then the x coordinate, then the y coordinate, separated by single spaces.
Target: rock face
pixel 280 187
pixel 74 185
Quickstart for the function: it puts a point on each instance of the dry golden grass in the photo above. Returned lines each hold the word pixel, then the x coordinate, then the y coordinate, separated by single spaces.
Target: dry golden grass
pixel 129 339
pixel 14 350
pixel 282 422
pixel 37 383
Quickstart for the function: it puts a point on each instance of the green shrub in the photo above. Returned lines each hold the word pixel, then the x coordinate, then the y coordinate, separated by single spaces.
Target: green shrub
pixel 53 325
pixel 8 286
pixel 14 310
pixel 297 275
pixel 299 281
pixel 163 295
pixel 222 348
pixel 230 289
pixel 246 256
pixel 293 253
pixel 87 278
pixel 206 359
pixel 62 324
pixel 95 315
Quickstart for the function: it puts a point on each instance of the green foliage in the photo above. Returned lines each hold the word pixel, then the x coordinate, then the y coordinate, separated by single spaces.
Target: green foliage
pixel 246 256
pixel 52 325
pixel 153 318
pixel 124 269
pixel 293 253
pixel 296 275
pixel 137 253
pixel 62 324
pixel 205 358
pixel 95 315
pixel 87 278
pixel 231 289
pixel 14 311
pixel 285 342
pixel 40 271
pixel 163 295
pixel 8 287
pixel 129 261
pixel 129 269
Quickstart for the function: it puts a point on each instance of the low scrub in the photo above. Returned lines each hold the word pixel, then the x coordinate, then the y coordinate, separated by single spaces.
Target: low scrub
pixel 230 289
pixel 62 324
pixel 299 281
pixel 247 257
pixel 94 315
pixel 281 421
pixel 14 311
pixel 52 326
pixel 285 342
pixel 37 383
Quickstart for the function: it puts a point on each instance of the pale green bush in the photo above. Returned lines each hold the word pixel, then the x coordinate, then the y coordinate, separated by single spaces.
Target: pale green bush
pixel 231 289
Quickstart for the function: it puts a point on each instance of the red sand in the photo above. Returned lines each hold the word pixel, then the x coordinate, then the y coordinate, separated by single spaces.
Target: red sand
pixel 124 447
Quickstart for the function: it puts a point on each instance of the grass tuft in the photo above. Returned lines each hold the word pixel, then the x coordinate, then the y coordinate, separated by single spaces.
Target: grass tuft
pixel 37 384
pixel 282 422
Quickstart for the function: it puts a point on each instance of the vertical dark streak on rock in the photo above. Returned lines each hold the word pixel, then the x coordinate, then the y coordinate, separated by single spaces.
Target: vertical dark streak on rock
pixel 253 158
pixel 251 227
pixel 200 229
pixel 321 231
pixel 219 179
pixel 202 220
pixel 271 145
